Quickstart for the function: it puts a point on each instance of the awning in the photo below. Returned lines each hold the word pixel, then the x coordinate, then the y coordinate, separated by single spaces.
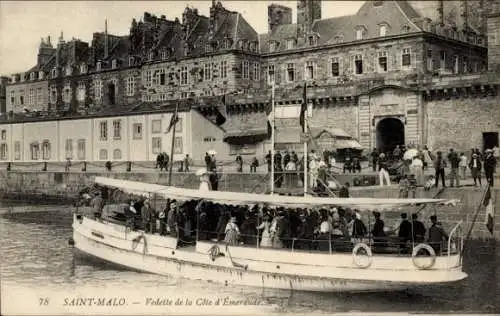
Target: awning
pixel 347 143
pixel 246 129
pixel 333 132
pixel 247 136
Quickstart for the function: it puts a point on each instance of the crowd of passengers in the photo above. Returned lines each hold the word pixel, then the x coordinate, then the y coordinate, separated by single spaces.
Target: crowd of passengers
pixel 300 228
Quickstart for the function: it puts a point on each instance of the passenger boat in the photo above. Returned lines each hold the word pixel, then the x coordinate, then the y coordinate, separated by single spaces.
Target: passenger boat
pixel 359 270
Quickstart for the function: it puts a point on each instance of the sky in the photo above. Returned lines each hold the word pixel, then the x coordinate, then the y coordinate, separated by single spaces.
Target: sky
pixel 24 23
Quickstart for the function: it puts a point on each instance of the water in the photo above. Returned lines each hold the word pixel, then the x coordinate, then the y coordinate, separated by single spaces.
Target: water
pixel 36 261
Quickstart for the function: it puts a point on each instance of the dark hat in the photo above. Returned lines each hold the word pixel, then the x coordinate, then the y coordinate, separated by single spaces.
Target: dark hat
pixel 376 214
pixel 433 218
pixel 404 215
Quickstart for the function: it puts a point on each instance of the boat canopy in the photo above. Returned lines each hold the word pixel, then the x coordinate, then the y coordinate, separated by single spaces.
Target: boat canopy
pixel 241 198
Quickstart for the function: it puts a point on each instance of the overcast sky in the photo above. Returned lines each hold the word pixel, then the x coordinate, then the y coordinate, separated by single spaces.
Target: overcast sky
pixel 23 23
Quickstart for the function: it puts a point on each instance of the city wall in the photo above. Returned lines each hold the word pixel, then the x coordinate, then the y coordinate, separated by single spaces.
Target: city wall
pixel 64 187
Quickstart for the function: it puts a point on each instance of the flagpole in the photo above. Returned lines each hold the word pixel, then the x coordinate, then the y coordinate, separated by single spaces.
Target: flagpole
pixel 305 147
pixel 272 138
pixel 172 145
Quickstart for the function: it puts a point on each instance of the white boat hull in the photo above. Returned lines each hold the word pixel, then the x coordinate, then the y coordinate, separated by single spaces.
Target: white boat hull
pixel 157 254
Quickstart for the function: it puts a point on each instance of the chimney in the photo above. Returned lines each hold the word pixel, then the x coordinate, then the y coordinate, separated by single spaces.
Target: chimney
pixel 440 11
pixel 48 41
pixel 106 38
pixel 278 15
pixel 463 15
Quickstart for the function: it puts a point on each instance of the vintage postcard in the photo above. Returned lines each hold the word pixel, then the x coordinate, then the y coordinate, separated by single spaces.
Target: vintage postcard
pixel 249 157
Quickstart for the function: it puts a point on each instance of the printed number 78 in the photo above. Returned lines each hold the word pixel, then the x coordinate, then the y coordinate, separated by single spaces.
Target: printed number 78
pixel 44 301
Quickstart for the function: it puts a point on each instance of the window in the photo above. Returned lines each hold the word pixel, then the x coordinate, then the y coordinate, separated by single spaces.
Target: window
pixel 148 78
pixel 3 151
pixel 312 40
pixel 382 62
pixel 309 70
pixel 456 64
pixel 290 72
pixel 35 151
pixel 31 98
pixel 81 149
pixel 184 95
pixel 270 74
pixel 98 89
pixel 131 61
pixel 160 77
pixel 69 148
pixel 359 34
pixel 223 69
pixel 45 150
pixel 12 98
pixel 406 57
pixel 32 76
pixel 382 30
pixel 103 131
pixel 256 71
pixel 69 70
pixel 53 94
pixel 67 94
pixel 358 64
pixel 114 63
pixel 245 69
pixel 83 68
pixel 103 154
pixel 156 126
pixel 17 150
pixel 54 73
pixel 178 145
pixel 164 54
pixel 41 75
pixel 290 43
pixel 178 125
pixel 273 46
pixel 151 56
pixel 335 67
pixel 4 135
pixel 156 145
pixel 137 131
pixel 442 61
pixel 21 97
pixel 465 65
pixel 98 66
pixel 207 72
pixel 39 95
pixel 117 129
pixel 184 75
pixel 130 86
pixel 430 61
pixel 163 97
pixel 117 154
pixel 80 91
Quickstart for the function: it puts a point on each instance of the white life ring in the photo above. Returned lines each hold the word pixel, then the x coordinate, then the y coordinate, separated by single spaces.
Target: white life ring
pixel 414 256
pixel 357 258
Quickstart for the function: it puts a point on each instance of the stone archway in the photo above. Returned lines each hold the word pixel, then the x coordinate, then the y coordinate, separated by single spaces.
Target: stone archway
pixel 390 132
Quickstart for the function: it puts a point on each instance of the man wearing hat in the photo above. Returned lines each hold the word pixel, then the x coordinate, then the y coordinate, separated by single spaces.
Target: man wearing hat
pixel 475 169
pixel 147 215
pixel 437 235
pixel 490 164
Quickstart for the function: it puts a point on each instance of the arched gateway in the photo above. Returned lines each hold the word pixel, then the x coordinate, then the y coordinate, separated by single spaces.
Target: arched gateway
pixel 390 132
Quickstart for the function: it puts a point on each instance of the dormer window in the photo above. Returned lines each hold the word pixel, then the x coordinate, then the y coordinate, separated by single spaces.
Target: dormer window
pixel 98 66
pixel 164 54
pixel 151 56
pixel 406 28
pixel 54 73
pixel 131 61
pixel 22 77
pixel 33 76
pixel 227 43
pixel 241 44
pixel 13 79
pixel 69 70
pixel 41 75
pixel 273 46
pixel 312 40
pixel 382 29
pixel 290 43
pixel 83 68
pixel 114 63
pixel 359 33
pixel 338 38
pixel 208 48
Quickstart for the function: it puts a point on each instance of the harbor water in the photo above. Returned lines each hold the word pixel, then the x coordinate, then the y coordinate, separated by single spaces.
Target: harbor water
pixel 35 256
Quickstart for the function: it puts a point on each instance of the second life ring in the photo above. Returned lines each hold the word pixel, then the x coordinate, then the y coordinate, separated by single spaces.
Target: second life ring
pixel 362 261
pixel 423 264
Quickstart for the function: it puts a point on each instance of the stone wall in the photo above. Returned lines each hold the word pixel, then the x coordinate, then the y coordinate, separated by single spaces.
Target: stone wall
pixel 65 186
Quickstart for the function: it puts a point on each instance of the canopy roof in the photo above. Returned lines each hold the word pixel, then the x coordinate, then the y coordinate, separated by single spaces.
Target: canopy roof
pixel 238 198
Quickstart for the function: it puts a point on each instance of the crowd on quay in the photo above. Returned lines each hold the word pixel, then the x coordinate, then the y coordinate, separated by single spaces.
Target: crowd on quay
pixel 298 228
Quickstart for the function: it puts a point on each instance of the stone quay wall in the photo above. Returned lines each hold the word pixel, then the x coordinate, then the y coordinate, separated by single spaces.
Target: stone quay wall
pixel 65 186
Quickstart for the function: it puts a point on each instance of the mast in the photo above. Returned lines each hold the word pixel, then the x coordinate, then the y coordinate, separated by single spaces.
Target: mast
pixel 272 137
pixel 305 144
pixel 174 119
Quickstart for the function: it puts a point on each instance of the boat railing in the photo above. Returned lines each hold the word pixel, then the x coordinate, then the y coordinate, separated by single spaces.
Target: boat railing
pixel 456 239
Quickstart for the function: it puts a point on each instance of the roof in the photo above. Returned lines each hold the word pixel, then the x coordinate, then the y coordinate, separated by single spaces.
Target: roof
pixel 396 14
pixel 248 126
pixel 333 132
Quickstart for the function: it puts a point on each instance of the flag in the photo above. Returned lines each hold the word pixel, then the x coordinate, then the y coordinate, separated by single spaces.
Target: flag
pixel 221 111
pixel 303 109
pixel 173 120
pixel 490 210
pixel 270 116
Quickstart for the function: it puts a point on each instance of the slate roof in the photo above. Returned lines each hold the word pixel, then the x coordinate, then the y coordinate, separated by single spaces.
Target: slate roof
pixel 397 14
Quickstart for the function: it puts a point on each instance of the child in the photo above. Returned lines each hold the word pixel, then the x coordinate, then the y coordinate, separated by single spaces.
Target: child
pixel 429 184
pixel 403 187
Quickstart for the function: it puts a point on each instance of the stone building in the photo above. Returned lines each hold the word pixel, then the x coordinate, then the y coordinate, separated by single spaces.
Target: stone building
pixel 3 97
pixel 395 72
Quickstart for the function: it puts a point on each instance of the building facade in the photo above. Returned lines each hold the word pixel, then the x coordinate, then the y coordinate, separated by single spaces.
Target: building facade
pixel 395 72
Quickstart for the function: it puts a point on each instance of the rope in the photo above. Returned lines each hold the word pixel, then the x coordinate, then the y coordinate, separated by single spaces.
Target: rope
pixel 137 240
pixel 214 252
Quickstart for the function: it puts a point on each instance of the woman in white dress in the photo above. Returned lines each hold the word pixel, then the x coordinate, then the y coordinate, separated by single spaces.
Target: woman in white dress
pixel 232 232
pixel 204 182
pixel 266 240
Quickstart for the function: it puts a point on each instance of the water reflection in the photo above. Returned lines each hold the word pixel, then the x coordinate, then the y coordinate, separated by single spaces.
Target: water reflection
pixel 35 251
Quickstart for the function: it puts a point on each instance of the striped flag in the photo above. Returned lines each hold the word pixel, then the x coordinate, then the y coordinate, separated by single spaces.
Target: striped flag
pixel 173 120
pixel 303 109
pixel 221 111
pixel 270 116
pixel 490 210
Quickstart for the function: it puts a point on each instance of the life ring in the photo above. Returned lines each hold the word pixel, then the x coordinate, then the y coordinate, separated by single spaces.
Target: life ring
pixel 214 252
pixel 430 250
pixel 357 258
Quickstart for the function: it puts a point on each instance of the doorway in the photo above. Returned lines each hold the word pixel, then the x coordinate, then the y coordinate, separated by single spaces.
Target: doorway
pixel 490 140
pixel 390 133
